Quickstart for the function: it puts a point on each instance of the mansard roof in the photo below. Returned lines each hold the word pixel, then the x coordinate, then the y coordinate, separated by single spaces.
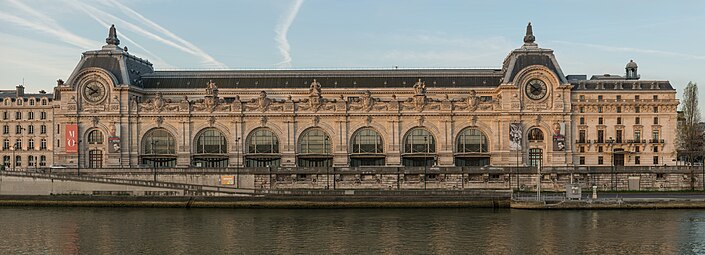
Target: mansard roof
pixel 378 78
pixel 620 84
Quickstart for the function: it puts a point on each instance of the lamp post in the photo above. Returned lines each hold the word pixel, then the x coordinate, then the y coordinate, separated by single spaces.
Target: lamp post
pixel 78 163
pixel 237 162
pixel 14 161
pixel 538 182
pixel 154 161
pixel 15 149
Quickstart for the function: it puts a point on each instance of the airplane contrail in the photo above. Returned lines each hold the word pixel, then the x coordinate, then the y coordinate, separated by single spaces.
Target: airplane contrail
pixel 206 58
pixel 281 32
pixel 156 59
pixel 47 25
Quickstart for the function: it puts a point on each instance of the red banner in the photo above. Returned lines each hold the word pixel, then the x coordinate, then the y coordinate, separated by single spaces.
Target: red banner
pixel 71 138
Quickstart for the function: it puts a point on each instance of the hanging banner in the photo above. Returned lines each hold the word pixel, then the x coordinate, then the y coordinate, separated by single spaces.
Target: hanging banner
pixel 114 138
pixel 515 136
pixel 114 144
pixel 558 136
pixel 71 138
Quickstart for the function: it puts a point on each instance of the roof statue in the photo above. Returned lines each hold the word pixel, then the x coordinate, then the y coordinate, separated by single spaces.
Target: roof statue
pixel 529 37
pixel 112 37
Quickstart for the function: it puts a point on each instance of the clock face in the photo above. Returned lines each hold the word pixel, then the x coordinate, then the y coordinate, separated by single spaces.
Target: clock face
pixel 94 92
pixel 536 89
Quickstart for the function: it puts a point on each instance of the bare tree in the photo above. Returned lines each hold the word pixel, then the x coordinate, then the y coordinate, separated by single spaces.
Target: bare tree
pixel 690 131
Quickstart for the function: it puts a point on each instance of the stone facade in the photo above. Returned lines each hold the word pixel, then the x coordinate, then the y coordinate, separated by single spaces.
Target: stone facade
pixel 528 113
pixel 27 129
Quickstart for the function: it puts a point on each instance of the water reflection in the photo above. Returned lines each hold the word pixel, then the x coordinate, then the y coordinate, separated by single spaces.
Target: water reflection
pixel 395 231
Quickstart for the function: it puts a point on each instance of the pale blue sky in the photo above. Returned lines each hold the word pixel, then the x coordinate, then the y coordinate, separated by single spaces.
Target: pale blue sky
pixel 41 41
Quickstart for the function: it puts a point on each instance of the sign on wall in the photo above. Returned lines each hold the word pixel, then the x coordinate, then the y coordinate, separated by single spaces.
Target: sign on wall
pixel 515 136
pixel 227 180
pixel 71 138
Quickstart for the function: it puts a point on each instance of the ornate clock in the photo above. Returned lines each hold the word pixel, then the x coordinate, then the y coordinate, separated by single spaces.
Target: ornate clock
pixel 94 92
pixel 536 89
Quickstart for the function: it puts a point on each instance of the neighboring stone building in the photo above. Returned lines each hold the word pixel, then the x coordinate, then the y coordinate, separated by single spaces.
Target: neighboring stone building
pixel 27 129
pixel 115 111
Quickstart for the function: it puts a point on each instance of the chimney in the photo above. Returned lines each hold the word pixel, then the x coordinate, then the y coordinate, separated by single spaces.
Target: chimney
pixel 20 91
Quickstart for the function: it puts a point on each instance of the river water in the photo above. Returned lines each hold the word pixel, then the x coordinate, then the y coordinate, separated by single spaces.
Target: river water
pixel 49 230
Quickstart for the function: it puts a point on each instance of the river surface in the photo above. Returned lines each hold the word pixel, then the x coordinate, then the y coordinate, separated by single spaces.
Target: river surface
pixel 49 230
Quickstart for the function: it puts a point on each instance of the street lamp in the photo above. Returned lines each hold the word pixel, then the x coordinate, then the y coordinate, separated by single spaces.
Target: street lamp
pixel 237 162
pixel 154 161
pixel 14 160
pixel 78 164
pixel 14 147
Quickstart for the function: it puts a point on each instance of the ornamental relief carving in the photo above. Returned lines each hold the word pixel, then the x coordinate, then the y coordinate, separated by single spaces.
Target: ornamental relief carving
pixel 469 103
pixel 158 104
pixel 367 103
pixel 264 103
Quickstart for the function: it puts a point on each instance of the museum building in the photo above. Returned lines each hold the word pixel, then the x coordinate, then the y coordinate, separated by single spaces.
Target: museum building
pixel 115 110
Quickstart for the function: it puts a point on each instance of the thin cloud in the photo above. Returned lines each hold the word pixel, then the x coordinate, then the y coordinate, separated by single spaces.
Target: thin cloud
pixel 50 28
pixel 281 32
pixel 636 50
pixel 206 58
pixel 156 59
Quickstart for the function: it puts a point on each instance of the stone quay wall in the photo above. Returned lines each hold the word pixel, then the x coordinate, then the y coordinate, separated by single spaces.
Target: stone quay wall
pixel 419 178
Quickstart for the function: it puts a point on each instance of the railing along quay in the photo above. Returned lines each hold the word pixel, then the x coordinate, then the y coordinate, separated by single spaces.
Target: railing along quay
pixel 131 182
pixel 376 170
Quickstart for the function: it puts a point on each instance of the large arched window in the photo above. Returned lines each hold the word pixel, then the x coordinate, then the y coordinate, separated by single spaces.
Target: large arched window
pixel 159 148
pixel 262 140
pixel 262 149
pixel 95 136
pixel 419 148
pixel 471 148
pixel 315 149
pixel 366 148
pixel 211 141
pixel 211 149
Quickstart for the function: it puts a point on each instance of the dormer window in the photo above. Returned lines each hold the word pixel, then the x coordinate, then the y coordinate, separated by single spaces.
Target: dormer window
pixel 20 101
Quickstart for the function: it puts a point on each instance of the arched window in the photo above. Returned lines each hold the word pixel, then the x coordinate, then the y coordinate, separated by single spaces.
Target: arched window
pixel 262 149
pixel 211 149
pixel 159 148
pixel 418 140
pixel 535 135
pixel 419 148
pixel 262 140
pixel 95 136
pixel 471 148
pixel 472 140
pixel 314 141
pixel 315 149
pixel 367 148
pixel 211 141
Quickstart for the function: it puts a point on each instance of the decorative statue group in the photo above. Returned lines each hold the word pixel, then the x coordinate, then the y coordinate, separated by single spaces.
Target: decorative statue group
pixel 316 102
